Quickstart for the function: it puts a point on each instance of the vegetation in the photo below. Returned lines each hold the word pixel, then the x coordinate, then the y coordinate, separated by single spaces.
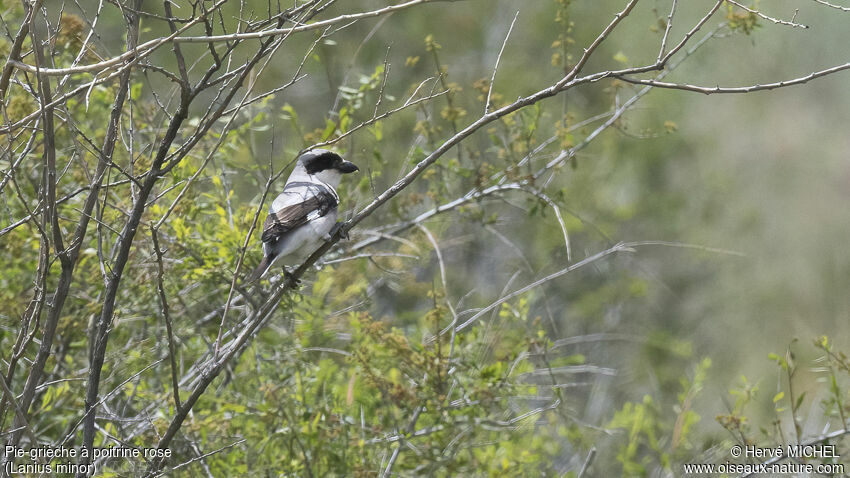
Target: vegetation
pixel 515 295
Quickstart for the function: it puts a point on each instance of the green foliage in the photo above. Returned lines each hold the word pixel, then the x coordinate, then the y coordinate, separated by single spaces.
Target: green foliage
pixel 742 20
pixel 655 440
pixel 353 367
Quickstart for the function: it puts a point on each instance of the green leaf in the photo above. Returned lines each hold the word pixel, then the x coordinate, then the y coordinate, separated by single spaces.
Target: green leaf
pixel 799 401
pixel 621 57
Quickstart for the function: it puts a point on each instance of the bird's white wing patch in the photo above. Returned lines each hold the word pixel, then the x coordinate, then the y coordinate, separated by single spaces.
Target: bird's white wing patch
pixel 299 204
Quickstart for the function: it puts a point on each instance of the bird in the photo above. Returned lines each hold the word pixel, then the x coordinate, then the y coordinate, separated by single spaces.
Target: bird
pixel 305 212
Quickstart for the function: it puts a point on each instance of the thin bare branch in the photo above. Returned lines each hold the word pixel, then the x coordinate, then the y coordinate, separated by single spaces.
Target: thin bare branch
pixel 166 316
pixel 588 52
pixel 496 66
pixel 832 5
pixel 767 17
pixel 145 49
pixel 708 90
pixel 661 62
pixel 667 29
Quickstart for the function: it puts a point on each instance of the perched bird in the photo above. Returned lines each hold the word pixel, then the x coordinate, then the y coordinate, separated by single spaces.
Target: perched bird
pixel 306 211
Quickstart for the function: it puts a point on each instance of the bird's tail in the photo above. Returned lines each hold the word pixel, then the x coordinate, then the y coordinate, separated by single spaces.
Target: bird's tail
pixel 261 269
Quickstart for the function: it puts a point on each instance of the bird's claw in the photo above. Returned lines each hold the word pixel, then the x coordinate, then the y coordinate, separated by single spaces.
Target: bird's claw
pixel 338 228
pixel 290 277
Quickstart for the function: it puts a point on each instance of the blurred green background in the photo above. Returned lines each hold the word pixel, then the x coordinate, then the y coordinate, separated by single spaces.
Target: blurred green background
pixel 763 174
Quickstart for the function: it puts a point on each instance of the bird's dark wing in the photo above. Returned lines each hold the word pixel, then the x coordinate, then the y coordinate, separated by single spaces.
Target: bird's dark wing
pixel 299 203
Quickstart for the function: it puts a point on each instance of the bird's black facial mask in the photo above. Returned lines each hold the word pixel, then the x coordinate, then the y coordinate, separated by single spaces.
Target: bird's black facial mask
pixel 328 160
pixel 322 162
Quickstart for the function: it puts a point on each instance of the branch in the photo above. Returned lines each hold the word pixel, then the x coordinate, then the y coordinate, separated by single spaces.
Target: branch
pixel 766 17
pixel 411 426
pixel 68 257
pixel 830 5
pixel 620 247
pixel 496 66
pixel 15 51
pixel 587 461
pixel 691 32
pixel 667 30
pixel 708 90
pixel 158 167
pixel 166 316
pixel 589 50
pixel 145 49
pixel 251 324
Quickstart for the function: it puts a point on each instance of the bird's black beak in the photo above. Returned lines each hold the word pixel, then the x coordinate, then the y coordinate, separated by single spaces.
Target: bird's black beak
pixel 347 167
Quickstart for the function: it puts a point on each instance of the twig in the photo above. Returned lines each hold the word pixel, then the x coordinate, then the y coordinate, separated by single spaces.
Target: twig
pixel 411 426
pixel 496 66
pixel 205 455
pixel 667 30
pixel 661 62
pixel 830 5
pixel 383 83
pixel 766 17
pixel 145 49
pixel 588 52
pixel 587 461
pixel 163 302
pixel 599 255
pixel 19 413
pixel 741 89
pixel 620 247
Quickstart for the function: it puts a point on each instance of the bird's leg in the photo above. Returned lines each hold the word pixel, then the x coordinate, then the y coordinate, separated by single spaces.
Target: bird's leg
pixel 338 228
pixel 291 278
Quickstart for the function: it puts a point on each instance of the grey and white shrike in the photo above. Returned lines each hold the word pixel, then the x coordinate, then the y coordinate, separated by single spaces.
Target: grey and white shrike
pixel 305 212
